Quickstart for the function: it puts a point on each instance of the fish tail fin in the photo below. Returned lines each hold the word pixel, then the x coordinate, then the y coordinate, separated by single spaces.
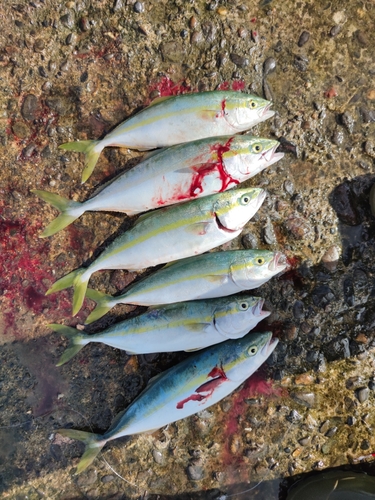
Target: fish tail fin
pixel 92 151
pixel 94 443
pixel 75 339
pixel 75 279
pixel 64 206
pixel 103 304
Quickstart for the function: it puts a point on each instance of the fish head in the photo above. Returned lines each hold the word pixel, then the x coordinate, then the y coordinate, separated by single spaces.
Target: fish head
pixel 248 156
pixel 237 315
pixel 247 354
pixel 254 267
pixel 233 209
pixel 246 110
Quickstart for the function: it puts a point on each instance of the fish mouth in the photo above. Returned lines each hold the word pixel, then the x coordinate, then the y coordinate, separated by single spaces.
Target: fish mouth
pixel 222 227
pixel 257 309
pixel 269 346
pixel 273 155
pixel 278 263
pixel 266 112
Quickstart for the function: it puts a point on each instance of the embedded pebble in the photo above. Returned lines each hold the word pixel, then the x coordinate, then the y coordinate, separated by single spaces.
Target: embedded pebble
pixel 370 148
pixel 331 432
pixel 87 478
pixel 67 20
pixel 305 441
pixel 108 478
pixel 343 202
pixel 304 398
pixel 348 121
pixel 289 187
pixel 303 39
pixel 195 472
pixel 298 310
pixel 139 7
pixel 362 394
pixel 269 66
pixel 238 60
pixel 39 45
pixel 269 234
pixel 298 228
pixel 324 427
pixel 249 241
pixel 20 129
pixel 158 457
pixel 29 107
pixel 301 63
pixel 335 30
pixel 331 257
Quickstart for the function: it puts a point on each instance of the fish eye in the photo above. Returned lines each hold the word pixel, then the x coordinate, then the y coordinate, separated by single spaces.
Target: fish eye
pixel 244 306
pixel 257 148
pixel 259 261
pixel 252 350
pixel 253 104
pixel 245 199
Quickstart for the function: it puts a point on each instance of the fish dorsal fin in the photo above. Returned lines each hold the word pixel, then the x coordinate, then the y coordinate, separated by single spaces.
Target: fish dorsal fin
pixel 160 99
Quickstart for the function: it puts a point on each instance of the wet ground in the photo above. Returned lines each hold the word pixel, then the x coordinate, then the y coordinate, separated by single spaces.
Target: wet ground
pixel 73 70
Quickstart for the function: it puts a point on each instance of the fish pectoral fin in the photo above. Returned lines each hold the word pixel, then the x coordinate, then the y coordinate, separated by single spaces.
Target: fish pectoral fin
pixel 199 228
pixel 216 278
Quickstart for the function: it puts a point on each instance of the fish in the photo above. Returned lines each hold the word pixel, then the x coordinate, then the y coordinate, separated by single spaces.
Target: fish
pixel 334 485
pixel 178 173
pixel 193 385
pixel 176 119
pixel 169 234
pixel 185 326
pixel 215 274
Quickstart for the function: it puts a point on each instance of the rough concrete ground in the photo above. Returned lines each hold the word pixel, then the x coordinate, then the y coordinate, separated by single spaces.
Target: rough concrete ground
pixel 73 70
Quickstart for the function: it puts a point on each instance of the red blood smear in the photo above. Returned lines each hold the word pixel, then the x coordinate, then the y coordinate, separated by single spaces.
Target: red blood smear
pixel 253 20
pixel 256 385
pixel 25 272
pixel 167 87
pixel 208 387
pixel 193 397
pixel 217 372
pixel 235 85
pixel 238 85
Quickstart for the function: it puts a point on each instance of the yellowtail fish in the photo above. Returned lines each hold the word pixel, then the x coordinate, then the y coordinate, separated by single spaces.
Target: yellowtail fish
pixel 177 119
pixel 169 234
pixel 175 174
pixel 191 386
pixel 185 326
pixel 216 274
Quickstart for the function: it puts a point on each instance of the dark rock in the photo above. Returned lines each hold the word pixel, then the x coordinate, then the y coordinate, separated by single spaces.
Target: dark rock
pixel 367 115
pixel 30 107
pixel 269 66
pixel 370 148
pixel 304 38
pixel 301 62
pixel 294 417
pixel 267 91
pixel 348 290
pixel 290 330
pixel 298 310
pixel 107 479
pixel 335 30
pixel 348 121
pixel 84 24
pixel 139 7
pixel 338 349
pixel 249 241
pixel 365 445
pixel 209 31
pixel 362 38
pixel 331 432
pixel 195 472
pixel 238 60
pixel 57 104
pixel 351 420
pixel 342 201
pixel 269 234
pixel 67 20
